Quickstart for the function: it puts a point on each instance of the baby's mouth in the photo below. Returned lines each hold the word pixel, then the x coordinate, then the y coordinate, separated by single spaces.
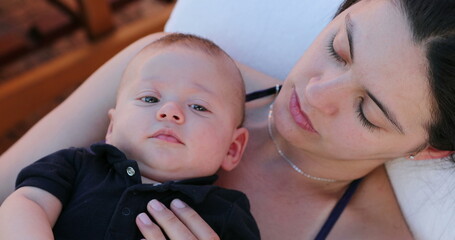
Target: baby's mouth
pixel 167 135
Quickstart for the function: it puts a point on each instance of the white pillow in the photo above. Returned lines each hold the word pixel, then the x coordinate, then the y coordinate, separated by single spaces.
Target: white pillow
pixel 267 35
pixel 426 192
pixel 270 36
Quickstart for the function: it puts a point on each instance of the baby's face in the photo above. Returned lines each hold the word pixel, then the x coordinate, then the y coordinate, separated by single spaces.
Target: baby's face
pixel 175 114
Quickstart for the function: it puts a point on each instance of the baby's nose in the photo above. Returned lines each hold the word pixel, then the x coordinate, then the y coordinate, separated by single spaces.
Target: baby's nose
pixel 171 112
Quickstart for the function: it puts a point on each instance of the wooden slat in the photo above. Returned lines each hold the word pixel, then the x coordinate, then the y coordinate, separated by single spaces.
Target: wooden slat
pixel 11 42
pixel 97 17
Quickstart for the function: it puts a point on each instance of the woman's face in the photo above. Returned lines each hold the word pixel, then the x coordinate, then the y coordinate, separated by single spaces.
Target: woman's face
pixel 360 91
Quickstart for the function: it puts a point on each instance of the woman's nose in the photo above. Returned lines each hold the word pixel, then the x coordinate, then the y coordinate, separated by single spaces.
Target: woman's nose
pixel 328 95
pixel 170 111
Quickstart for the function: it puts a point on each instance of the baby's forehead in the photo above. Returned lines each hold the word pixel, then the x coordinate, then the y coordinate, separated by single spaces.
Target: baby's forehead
pixel 219 64
pixel 214 73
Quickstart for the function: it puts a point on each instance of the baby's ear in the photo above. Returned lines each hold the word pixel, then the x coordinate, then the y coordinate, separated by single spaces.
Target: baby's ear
pixel 236 149
pixel 432 153
pixel 111 114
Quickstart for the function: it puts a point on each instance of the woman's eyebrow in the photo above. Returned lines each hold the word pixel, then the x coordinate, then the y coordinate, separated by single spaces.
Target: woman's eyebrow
pixel 349 30
pixel 388 114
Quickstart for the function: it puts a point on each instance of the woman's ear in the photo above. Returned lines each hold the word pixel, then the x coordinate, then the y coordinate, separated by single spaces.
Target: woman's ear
pixel 236 149
pixel 110 129
pixel 432 153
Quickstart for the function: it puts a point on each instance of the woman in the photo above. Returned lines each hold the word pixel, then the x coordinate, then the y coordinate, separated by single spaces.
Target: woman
pixel 368 90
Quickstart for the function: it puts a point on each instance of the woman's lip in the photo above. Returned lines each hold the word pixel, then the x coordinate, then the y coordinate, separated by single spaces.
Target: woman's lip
pixel 299 116
pixel 167 135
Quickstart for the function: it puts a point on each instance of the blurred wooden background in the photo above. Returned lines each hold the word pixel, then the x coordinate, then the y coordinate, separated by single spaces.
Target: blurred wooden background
pixel 48 48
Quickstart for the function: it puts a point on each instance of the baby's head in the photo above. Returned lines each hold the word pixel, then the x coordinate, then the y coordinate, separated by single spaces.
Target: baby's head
pixel 179 109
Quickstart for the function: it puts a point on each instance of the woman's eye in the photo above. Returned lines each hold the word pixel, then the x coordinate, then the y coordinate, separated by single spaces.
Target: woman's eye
pixel 198 107
pixel 333 53
pixel 361 116
pixel 150 99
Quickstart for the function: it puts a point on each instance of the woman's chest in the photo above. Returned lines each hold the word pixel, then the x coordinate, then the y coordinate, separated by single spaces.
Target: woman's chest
pixel 286 211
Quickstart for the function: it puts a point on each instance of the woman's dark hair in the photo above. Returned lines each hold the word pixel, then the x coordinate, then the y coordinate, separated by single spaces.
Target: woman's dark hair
pixel 432 23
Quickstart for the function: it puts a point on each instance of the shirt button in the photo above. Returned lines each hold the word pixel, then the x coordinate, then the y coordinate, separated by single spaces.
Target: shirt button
pixel 126 211
pixel 130 171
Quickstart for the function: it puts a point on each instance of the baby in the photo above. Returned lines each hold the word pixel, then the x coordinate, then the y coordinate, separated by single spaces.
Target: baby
pixel 177 120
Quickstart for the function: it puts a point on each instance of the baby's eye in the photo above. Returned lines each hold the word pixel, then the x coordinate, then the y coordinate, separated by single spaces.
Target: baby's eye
pixel 198 107
pixel 150 99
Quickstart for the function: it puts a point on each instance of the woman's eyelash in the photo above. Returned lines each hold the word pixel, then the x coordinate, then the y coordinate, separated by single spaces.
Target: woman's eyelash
pixel 332 51
pixel 363 119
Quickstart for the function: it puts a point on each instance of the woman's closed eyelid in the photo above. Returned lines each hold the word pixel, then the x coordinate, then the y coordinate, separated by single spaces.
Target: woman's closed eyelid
pixel 333 53
pixel 373 114
pixel 360 112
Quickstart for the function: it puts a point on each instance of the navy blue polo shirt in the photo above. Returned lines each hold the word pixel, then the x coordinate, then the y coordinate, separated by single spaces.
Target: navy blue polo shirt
pixel 102 193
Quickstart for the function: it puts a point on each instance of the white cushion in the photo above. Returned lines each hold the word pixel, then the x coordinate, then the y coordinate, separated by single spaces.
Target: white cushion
pixel 267 35
pixel 425 191
pixel 270 36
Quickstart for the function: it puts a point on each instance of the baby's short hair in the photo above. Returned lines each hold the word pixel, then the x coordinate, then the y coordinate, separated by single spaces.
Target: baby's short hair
pixel 191 41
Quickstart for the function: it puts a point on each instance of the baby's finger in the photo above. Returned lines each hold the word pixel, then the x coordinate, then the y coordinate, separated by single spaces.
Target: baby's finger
pixel 193 221
pixel 169 222
pixel 148 229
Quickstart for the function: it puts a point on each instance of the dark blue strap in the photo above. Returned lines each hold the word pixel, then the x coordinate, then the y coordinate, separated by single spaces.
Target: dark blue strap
pixel 262 93
pixel 337 210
